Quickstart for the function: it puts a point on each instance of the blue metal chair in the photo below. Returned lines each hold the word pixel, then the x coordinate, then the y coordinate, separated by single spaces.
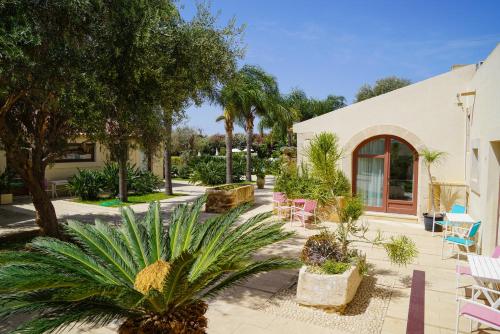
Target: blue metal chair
pixel 462 237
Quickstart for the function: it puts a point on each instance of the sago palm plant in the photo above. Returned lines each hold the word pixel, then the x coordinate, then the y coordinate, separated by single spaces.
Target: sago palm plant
pixel 155 278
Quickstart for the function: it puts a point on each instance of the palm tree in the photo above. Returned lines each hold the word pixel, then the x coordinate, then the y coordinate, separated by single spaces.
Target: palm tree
pixel 431 158
pixel 155 278
pixel 232 99
pixel 261 98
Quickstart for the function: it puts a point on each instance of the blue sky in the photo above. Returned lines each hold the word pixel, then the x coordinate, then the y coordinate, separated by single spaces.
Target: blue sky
pixel 333 47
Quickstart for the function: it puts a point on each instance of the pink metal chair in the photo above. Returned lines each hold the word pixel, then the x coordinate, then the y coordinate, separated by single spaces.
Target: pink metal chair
pixel 280 202
pixel 304 212
pixel 471 309
pixel 465 270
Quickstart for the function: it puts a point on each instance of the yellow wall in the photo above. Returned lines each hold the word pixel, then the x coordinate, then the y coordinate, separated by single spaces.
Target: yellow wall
pixel 64 170
pixel 484 111
pixel 426 114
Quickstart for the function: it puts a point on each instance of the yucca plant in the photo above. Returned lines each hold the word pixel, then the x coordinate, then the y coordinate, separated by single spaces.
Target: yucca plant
pixel 155 278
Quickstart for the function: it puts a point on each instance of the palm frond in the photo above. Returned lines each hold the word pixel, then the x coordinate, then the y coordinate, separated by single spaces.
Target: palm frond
pixel 249 271
pixel 134 235
pixel 98 245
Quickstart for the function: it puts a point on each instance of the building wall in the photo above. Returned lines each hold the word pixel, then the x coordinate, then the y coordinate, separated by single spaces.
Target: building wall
pixel 484 175
pixel 426 114
pixel 64 170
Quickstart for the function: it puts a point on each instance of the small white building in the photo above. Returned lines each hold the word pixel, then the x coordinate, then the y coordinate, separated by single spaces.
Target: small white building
pixel 457 112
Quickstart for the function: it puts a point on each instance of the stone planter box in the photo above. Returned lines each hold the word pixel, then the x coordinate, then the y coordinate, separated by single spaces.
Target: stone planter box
pixel 5 199
pixel 328 291
pixel 223 198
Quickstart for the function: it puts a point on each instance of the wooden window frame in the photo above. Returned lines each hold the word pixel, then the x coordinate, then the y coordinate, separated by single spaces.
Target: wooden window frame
pixel 91 159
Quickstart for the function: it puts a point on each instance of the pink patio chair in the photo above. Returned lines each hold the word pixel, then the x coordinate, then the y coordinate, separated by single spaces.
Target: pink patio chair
pixel 471 309
pixel 304 212
pixel 280 201
pixel 464 270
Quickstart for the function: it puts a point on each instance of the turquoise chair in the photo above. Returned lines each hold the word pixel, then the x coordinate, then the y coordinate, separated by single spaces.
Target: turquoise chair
pixel 462 237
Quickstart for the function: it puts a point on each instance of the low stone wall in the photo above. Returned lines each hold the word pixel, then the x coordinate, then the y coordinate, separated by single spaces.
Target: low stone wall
pixel 220 199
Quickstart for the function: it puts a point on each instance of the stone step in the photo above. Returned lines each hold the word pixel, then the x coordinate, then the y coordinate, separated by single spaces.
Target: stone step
pixel 385 216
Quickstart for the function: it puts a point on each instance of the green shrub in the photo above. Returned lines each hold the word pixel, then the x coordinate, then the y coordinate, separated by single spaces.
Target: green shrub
pixel 211 170
pixel 330 267
pixel 87 184
pixel 145 182
pixel 110 178
pixel 209 173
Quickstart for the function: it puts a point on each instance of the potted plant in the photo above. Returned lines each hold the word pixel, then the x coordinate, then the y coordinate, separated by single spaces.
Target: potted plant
pixel 332 270
pixel 5 187
pixel 260 172
pixel 432 158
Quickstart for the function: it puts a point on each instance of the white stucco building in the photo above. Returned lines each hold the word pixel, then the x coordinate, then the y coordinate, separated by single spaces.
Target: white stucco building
pixel 457 112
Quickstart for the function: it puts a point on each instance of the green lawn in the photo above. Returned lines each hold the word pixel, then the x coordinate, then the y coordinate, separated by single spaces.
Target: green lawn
pixel 132 199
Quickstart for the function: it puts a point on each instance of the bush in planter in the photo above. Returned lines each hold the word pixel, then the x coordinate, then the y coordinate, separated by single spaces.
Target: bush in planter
pixel 320 248
pixel 87 183
pixel 209 173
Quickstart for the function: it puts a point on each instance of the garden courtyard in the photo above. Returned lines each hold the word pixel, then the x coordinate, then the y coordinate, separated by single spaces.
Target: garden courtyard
pixel 265 304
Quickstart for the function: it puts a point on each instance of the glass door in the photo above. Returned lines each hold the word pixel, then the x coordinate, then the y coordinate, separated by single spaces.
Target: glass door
pixel 401 183
pixel 370 173
pixel 385 174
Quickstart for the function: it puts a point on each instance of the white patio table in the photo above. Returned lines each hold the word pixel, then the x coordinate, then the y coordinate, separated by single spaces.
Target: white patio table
pixel 486 271
pixel 54 184
pixel 456 219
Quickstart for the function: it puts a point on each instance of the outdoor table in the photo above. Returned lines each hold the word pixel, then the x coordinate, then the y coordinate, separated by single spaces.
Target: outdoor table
pixel 296 203
pixel 456 219
pixel 485 270
pixel 459 218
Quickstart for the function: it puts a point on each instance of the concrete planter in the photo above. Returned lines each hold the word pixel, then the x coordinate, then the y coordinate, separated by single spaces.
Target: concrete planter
pixel 328 291
pixel 223 198
pixel 5 199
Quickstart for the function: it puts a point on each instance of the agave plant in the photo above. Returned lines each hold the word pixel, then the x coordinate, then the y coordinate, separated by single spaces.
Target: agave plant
pixel 156 279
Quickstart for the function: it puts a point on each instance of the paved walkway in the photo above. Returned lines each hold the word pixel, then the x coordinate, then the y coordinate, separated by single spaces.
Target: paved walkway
pixel 239 310
pixel 21 215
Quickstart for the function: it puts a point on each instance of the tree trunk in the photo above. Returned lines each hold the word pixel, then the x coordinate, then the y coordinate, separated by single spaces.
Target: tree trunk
pixel 289 137
pixel 433 204
pixel 46 217
pixel 34 178
pixel 167 156
pixel 229 153
pixel 249 128
pixel 122 171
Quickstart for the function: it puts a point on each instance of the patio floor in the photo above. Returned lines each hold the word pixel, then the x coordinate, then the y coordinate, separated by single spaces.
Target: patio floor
pixel 245 308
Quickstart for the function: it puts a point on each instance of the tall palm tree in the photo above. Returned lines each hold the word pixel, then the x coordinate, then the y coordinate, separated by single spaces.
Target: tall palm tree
pixel 228 118
pixel 261 98
pixel 155 278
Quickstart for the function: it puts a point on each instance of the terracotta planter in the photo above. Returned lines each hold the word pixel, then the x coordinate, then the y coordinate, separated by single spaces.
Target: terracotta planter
pixel 223 198
pixel 328 291
pixel 261 181
pixel 5 199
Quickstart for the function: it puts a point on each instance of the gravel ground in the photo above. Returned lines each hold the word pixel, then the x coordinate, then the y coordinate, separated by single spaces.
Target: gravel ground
pixel 365 314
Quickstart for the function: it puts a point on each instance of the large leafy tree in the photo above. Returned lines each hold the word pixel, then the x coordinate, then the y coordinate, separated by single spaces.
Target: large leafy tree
pixel 155 278
pixel 381 86
pixel 46 87
pixel 127 66
pixel 196 57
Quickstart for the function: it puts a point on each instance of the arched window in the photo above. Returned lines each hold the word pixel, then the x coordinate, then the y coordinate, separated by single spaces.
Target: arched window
pixel 385 174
